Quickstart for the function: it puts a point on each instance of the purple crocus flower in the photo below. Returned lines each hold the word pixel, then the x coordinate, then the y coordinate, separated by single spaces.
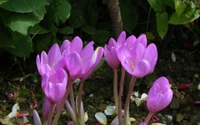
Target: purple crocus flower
pixel 90 60
pixel 51 61
pixel 110 54
pixel 160 95
pixel 54 85
pixel 80 62
pixel 136 57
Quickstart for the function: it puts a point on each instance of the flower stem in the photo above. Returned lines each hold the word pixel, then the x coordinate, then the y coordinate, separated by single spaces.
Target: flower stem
pixel 148 117
pixel 59 109
pixel 72 101
pixel 52 108
pixel 126 108
pixel 120 96
pixel 115 90
pixel 80 117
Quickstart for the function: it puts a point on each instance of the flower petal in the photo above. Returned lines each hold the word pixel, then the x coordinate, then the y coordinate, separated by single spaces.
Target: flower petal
pixel 36 118
pixel 101 118
pixel 74 65
pixel 54 55
pixel 76 45
pixel 151 55
pixel 141 69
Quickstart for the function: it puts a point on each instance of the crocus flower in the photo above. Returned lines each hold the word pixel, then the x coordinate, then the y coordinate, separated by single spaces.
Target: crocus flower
pixel 79 61
pixel 90 61
pixel 160 95
pixel 51 61
pixel 110 54
pixel 136 57
pixel 54 85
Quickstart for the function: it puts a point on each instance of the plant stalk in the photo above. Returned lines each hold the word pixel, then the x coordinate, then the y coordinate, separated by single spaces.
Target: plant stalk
pixel 126 108
pixel 115 90
pixel 72 101
pixel 148 117
pixel 80 117
pixel 52 108
pixel 119 113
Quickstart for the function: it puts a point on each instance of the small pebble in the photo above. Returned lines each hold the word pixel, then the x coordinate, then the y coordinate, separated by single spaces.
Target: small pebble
pixel 169 117
pixel 91 95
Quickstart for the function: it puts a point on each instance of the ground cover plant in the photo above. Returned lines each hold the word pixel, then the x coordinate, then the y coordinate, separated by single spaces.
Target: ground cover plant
pixel 56 50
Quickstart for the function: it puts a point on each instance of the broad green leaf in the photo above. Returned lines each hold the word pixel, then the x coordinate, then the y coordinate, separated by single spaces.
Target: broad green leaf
pixel 37 29
pixel 66 30
pixel 23 6
pixel 6 41
pixel 170 3
pixel 180 7
pixel 89 30
pixel 157 5
pixel 162 23
pixel 60 10
pixel 175 19
pixel 42 42
pixel 129 15
pixel 100 37
pixel 190 10
pixel 23 45
pixel 3 1
pixel 21 22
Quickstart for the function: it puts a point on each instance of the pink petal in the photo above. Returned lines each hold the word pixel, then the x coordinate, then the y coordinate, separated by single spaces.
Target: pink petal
pixel 65 45
pixel 74 65
pixel 151 55
pixel 76 45
pixel 121 39
pixel 22 114
pixel 184 86
pixel 54 55
pixel 142 69
pixel 142 39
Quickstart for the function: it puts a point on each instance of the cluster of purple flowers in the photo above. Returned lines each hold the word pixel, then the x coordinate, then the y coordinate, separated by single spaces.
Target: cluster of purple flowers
pixel 62 65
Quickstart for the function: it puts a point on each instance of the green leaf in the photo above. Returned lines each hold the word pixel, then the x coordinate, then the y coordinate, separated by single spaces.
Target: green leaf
pixel 60 10
pixel 180 7
pixel 37 29
pixel 170 3
pixel 3 1
pixel 6 41
pixel 162 23
pixel 23 45
pixel 100 36
pixel 66 30
pixel 42 42
pixel 157 5
pixel 129 15
pixel 89 30
pixel 23 6
pixel 175 19
pixel 21 22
